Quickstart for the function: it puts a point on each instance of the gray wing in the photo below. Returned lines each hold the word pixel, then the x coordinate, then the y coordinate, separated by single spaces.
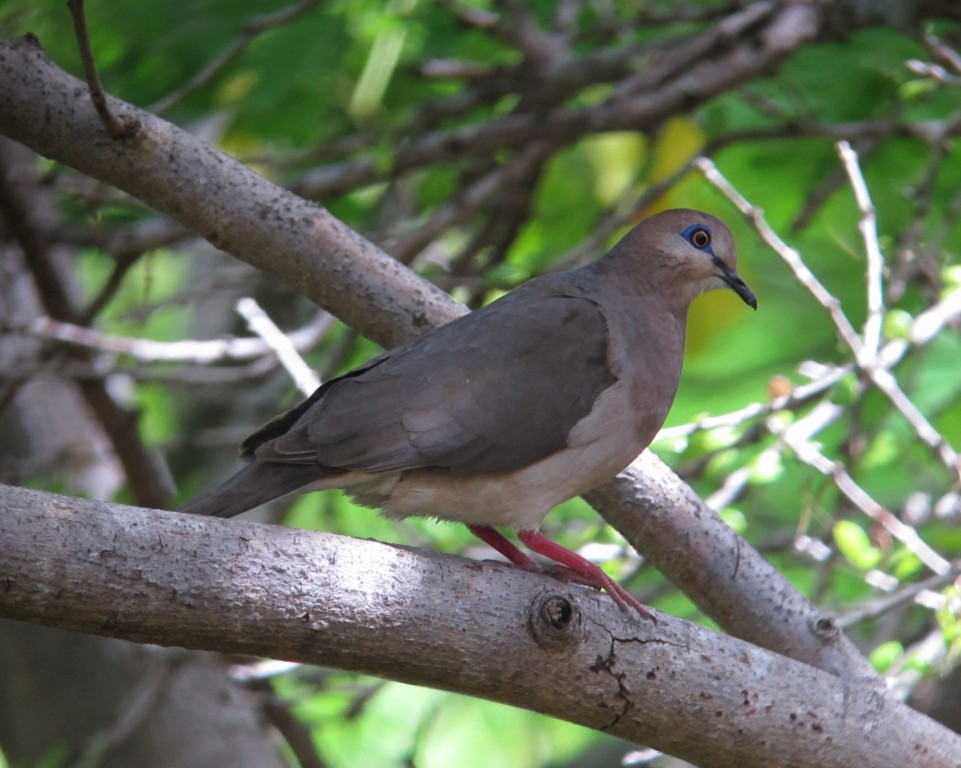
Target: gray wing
pixel 491 392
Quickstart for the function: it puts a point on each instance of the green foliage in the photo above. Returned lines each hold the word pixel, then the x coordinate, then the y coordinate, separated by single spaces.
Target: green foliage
pixel 886 654
pixel 397 725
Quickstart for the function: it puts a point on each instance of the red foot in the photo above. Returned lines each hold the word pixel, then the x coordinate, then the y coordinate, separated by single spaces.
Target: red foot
pixel 572 567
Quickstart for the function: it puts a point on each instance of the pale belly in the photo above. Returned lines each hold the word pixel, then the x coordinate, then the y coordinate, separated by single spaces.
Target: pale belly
pixel 602 445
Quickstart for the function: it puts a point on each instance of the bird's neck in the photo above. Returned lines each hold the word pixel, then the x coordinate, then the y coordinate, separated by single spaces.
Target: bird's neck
pixel 616 276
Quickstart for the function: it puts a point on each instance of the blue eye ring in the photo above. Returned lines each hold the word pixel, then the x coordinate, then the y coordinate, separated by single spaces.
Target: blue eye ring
pixel 699 235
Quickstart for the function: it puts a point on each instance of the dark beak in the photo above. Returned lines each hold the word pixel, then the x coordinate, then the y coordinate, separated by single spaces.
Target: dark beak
pixel 739 287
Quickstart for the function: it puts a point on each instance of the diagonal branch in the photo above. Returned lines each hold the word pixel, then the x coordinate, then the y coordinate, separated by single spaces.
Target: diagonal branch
pixel 235 209
pixel 250 31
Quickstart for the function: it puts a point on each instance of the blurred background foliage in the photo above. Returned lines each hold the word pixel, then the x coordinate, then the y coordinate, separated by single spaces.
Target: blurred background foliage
pixel 342 82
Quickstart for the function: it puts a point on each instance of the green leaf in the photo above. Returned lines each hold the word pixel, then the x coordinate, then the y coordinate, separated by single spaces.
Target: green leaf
pixel 735 519
pixel 897 324
pixel 766 468
pixel 855 544
pixel 886 654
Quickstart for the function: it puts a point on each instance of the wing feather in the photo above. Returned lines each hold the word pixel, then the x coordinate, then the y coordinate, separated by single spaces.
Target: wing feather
pixel 491 392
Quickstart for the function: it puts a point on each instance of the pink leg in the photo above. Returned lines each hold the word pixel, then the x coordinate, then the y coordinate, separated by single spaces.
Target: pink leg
pixel 586 572
pixel 503 545
pixel 572 567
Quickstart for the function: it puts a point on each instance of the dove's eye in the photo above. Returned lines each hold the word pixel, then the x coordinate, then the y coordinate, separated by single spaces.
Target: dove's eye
pixel 699 237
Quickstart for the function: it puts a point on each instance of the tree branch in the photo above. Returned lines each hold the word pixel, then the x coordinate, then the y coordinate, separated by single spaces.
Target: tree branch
pixel 486 630
pixel 235 209
pixel 723 574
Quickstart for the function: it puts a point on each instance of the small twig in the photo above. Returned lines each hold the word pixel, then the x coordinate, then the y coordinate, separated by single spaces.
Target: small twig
pixel 797 397
pixel 470 15
pixel 137 705
pixel 928 653
pixel 868 360
pixel 452 69
pixel 868 225
pixel 943 51
pixel 821 192
pixel 251 30
pixel 925 327
pixel 934 71
pixel 798 438
pixel 789 255
pixel 92 370
pixel 884 380
pixel 929 323
pixel 184 351
pixel 303 375
pixel 471 199
pixel 869 357
pixel 732 487
pixel 879 607
pixel 593 246
pixel 120 269
pixel 910 249
pixel 122 127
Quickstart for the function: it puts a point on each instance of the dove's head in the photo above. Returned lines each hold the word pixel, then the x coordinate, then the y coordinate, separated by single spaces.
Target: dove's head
pixel 686 252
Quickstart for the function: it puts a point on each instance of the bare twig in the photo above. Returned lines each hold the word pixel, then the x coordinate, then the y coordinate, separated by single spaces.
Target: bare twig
pixel 251 30
pixel 868 225
pixel 868 357
pixel 934 71
pixel 258 321
pixel 471 199
pixel 910 592
pixel 925 327
pixel 183 351
pixel 927 653
pixel 732 487
pixel 885 381
pixel 798 396
pixel 123 127
pixel 148 478
pixel 929 323
pixel 789 255
pixel 138 705
pixel 631 212
pixel 798 438
pixel 943 51
pixel 120 269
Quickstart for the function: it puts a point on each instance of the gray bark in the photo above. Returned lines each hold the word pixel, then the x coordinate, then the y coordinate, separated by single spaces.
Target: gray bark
pixel 483 629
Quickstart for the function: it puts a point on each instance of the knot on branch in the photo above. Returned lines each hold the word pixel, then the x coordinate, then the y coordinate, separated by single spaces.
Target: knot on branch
pixel 555 621
pixel 825 628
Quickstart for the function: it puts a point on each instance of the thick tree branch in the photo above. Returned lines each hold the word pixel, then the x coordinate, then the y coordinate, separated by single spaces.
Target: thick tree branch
pixel 227 203
pixel 487 630
pixel 740 590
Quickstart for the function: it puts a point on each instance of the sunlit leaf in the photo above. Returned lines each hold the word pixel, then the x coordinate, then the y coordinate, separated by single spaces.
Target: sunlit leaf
pixel 884 655
pixel 853 542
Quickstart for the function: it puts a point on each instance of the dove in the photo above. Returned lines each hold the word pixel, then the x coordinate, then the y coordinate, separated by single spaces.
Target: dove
pixel 497 417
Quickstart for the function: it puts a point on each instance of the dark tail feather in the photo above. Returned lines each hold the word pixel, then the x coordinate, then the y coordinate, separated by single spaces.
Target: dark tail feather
pixel 254 485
